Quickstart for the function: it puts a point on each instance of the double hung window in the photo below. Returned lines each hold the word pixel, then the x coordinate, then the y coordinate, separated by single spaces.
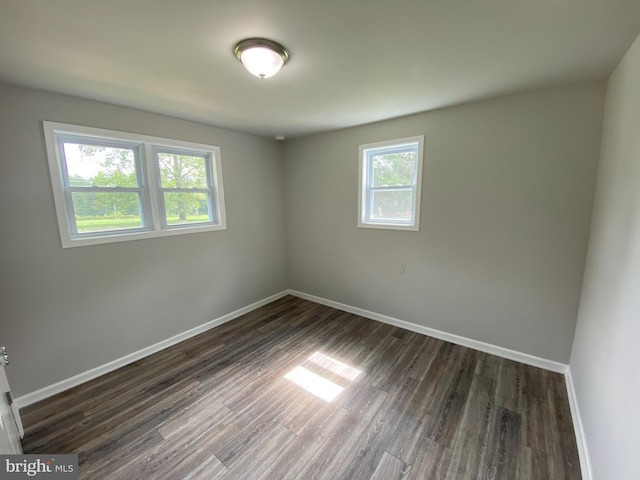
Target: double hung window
pixel 390 181
pixel 114 186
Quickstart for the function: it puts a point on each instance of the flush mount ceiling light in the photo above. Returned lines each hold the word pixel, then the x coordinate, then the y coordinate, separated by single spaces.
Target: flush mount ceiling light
pixel 262 57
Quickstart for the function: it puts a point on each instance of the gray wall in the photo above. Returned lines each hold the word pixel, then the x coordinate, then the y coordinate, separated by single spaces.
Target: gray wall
pixel 506 204
pixel 604 360
pixel 66 311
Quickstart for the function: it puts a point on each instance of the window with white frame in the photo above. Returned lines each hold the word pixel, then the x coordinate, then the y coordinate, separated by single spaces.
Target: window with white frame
pixel 390 183
pixel 114 186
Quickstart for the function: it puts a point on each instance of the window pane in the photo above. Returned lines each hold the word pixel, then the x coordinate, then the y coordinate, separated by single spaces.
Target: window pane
pixel 94 165
pixel 182 171
pixel 97 211
pixel 395 205
pixel 394 169
pixel 186 208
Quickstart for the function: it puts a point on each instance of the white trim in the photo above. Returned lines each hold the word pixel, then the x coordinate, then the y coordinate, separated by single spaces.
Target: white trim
pixel 578 428
pixel 585 463
pixel 83 377
pixel 448 337
pixel 583 452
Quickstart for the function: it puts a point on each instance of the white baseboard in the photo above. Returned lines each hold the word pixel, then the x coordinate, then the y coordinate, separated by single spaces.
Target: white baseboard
pixel 583 453
pixel 448 337
pixel 83 377
pixel 581 439
pixel 76 380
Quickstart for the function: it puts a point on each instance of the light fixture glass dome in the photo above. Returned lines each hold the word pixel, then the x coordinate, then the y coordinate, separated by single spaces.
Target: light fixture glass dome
pixel 261 57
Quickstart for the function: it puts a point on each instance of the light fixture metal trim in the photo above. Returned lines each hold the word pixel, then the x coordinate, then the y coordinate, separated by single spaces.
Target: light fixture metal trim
pixel 249 43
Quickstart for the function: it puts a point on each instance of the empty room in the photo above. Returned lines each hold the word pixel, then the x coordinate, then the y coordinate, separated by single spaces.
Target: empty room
pixel 305 240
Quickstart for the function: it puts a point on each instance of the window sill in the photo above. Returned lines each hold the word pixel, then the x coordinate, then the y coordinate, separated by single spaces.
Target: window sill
pixel 138 235
pixel 389 226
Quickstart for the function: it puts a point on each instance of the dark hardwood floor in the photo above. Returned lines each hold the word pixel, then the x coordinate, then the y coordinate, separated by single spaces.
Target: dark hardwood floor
pixel 297 390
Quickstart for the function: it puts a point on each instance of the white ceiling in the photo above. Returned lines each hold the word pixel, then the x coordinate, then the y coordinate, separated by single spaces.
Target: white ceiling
pixel 352 61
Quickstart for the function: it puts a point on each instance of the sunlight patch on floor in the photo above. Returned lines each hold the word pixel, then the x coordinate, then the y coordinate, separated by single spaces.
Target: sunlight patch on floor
pixel 314 383
pixel 318 385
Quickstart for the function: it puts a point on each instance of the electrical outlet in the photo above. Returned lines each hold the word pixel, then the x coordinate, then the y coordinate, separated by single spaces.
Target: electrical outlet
pixel 403 267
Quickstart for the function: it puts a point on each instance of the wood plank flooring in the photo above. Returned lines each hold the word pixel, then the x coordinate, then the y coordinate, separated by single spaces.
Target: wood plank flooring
pixel 300 391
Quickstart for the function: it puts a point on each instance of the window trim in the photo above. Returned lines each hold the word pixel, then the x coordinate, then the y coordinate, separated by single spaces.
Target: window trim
pixel 148 177
pixel 365 188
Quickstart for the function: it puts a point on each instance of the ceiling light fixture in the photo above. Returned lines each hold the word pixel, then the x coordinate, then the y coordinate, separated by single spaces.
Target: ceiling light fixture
pixel 261 57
